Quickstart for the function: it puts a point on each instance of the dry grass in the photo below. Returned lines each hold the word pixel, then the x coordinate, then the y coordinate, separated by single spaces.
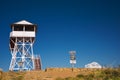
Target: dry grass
pixel 56 74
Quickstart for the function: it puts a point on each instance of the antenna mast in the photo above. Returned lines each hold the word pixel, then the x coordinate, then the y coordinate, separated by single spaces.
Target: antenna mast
pixel 72 58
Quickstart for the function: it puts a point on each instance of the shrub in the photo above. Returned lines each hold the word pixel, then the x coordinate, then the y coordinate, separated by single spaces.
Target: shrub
pixel 17 78
pixel 69 78
pixel 80 76
pixel 59 78
pixel 20 77
pixel 89 77
pixel 115 73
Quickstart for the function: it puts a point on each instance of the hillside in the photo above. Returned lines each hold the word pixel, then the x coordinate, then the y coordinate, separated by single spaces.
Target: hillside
pixel 63 74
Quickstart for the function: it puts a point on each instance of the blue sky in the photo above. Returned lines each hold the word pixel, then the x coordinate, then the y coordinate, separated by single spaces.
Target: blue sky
pixel 90 27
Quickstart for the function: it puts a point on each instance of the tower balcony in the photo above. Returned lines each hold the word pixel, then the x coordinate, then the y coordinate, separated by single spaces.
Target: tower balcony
pixel 22 34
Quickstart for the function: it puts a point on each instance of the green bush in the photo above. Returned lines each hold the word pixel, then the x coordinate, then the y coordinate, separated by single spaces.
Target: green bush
pixel 89 77
pixel 69 78
pixel 80 76
pixel 17 78
pixel 115 73
pixel 59 78
pixel 20 78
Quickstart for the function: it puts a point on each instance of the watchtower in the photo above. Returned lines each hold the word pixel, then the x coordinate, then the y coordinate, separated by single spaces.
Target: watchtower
pixel 22 38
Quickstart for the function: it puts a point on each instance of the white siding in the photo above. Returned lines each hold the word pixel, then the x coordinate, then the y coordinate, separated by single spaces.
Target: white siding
pixel 22 34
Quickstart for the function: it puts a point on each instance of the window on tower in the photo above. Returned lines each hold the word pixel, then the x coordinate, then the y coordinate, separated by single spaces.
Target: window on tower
pixel 29 28
pixel 18 28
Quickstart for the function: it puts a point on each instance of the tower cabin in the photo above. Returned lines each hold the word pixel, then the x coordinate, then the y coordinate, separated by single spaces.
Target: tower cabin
pixel 22 31
pixel 37 63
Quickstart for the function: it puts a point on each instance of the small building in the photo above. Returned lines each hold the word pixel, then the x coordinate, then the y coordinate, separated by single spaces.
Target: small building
pixel 93 65
pixel 37 63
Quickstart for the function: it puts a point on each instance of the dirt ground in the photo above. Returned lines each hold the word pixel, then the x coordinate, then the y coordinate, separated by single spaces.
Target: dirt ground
pixel 47 74
pixel 53 73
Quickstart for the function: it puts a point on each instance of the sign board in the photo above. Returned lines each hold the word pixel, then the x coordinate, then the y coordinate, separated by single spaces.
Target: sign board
pixel 72 61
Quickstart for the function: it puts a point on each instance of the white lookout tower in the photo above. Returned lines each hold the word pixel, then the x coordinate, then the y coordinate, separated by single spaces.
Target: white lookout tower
pixel 21 45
